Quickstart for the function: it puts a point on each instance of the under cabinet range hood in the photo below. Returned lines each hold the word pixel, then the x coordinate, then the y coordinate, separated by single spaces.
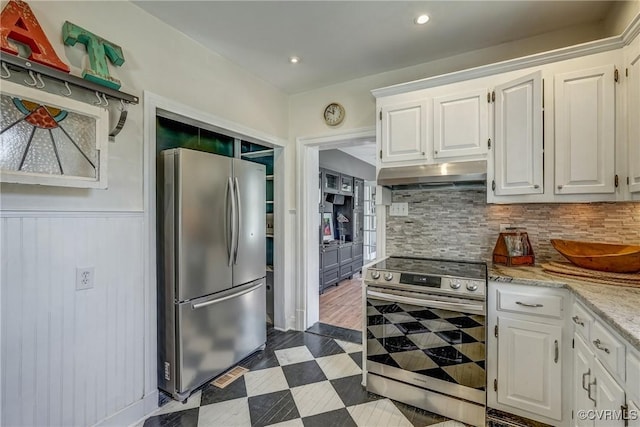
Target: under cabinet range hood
pixel 424 176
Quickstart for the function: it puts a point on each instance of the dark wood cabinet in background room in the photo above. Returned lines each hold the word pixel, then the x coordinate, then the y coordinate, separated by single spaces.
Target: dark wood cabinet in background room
pixel 340 259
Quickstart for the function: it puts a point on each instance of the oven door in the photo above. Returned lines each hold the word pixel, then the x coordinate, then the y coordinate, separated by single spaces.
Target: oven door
pixel 435 342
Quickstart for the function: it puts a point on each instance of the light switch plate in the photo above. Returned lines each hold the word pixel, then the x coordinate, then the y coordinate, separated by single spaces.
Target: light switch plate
pixel 399 209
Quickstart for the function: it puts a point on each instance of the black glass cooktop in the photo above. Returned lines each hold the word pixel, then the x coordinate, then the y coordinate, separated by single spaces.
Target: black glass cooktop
pixel 434 267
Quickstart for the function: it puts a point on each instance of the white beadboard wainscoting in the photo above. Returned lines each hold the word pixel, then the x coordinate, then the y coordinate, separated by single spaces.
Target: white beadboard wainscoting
pixel 71 358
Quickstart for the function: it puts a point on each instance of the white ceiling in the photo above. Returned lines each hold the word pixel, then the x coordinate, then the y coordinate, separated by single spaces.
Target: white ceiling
pixel 342 40
pixel 366 153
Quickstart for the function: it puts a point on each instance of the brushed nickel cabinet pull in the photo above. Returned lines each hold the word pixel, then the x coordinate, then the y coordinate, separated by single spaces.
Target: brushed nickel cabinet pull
pixel 599 346
pixel 577 321
pixel 529 305
pixel 584 377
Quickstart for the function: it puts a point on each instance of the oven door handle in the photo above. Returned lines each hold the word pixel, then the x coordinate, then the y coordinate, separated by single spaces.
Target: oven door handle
pixel 429 303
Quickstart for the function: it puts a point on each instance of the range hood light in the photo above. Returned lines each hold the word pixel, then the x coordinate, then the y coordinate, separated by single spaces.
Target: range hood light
pixel 425 175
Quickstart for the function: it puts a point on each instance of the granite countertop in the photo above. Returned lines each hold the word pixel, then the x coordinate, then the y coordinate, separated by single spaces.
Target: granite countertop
pixel 618 306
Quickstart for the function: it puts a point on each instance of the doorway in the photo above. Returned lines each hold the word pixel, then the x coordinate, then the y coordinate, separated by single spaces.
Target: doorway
pixel 336 301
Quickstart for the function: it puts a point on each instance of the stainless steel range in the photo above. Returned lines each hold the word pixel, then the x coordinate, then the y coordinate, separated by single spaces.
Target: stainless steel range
pixel 426 335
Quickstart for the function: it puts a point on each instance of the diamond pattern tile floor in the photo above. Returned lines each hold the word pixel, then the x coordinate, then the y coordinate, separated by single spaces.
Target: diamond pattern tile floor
pixel 299 379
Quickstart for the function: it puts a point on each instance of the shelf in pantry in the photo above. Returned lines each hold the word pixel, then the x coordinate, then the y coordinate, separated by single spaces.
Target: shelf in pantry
pixel 269 177
pixel 257 154
pixel 269 202
pixel 269 234
pixel 270 268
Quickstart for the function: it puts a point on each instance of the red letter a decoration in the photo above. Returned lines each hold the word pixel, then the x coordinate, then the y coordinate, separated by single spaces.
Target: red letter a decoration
pixel 18 23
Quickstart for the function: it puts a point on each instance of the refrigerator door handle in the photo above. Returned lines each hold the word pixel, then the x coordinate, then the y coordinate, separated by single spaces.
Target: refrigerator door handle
pixel 239 216
pixel 228 297
pixel 231 244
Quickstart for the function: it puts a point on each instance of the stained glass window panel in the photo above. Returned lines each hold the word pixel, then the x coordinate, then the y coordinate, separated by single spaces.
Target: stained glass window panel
pixel 45 136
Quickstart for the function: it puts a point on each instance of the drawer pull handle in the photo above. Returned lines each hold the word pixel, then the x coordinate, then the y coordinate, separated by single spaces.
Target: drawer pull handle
pixel 556 352
pixel 577 321
pixel 584 377
pixel 589 392
pixel 529 305
pixel 599 346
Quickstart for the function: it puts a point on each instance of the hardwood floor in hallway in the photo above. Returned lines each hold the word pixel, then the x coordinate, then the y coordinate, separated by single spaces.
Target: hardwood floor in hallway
pixel 342 305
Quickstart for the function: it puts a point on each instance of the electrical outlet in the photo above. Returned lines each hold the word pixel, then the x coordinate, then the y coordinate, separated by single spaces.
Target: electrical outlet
pixel 84 278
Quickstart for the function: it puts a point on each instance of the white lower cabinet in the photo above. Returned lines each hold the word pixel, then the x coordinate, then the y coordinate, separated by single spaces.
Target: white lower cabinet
pixel 526 352
pixel 529 366
pixel 598 399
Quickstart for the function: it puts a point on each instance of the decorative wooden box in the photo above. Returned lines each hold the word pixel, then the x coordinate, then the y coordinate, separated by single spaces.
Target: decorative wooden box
pixel 501 252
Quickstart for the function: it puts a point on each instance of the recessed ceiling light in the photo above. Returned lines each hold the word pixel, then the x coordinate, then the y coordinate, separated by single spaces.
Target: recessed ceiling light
pixel 294 59
pixel 422 19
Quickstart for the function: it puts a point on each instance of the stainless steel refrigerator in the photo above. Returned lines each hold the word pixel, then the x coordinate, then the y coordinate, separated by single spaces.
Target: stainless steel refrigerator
pixel 212 266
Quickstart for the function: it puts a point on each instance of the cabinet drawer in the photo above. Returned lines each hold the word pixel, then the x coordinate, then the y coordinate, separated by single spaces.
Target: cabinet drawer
pixel 346 271
pixel 330 277
pixel 529 303
pixel 582 321
pixel 608 349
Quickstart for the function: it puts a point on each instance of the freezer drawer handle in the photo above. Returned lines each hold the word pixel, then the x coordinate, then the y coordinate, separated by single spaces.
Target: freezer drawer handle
pixel 426 302
pixel 217 300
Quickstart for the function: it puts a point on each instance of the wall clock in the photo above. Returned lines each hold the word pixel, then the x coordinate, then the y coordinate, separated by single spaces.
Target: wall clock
pixel 334 114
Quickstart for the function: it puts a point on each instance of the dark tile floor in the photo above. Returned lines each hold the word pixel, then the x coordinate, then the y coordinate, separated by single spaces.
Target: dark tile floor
pixel 300 379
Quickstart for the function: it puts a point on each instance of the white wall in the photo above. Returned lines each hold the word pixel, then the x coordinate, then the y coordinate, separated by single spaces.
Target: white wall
pixel 79 357
pixel 158 59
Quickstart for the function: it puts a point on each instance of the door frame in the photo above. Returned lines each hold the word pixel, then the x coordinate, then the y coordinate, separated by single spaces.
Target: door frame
pixel 307 166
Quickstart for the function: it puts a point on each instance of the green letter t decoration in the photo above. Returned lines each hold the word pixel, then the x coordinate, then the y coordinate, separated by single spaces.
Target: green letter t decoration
pixel 99 50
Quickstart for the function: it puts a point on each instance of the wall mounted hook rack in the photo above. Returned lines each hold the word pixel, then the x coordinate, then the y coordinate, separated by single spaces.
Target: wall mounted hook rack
pixel 54 81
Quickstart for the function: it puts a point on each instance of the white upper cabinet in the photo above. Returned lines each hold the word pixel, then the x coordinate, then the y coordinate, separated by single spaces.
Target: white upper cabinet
pixel 633 118
pixel 518 137
pixel 403 131
pixel 585 131
pixel 460 124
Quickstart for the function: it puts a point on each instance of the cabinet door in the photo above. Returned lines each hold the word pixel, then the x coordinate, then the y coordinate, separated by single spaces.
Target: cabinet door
pixel 585 131
pixel 331 182
pixel 518 152
pixel 608 394
pixel 330 258
pixel 404 132
pixel 460 124
pixel 358 228
pixel 633 96
pixel 346 254
pixel 346 185
pixel 582 376
pixel 530 366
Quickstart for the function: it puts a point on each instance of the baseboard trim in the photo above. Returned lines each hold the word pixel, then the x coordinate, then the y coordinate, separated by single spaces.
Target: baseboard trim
pixel 134 413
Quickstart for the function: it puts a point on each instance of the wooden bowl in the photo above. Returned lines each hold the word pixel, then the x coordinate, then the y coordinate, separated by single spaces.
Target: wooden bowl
pixel 600 256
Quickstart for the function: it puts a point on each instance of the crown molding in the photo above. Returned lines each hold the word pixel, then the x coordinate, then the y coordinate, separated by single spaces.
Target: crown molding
pixel 538 59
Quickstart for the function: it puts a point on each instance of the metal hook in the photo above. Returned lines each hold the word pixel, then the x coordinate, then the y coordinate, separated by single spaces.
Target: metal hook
pixel 66 84
pixel 40 80
pixel 106 102
pixel 33 77
pixel 6 70
pixel 99 99
pixel 122 106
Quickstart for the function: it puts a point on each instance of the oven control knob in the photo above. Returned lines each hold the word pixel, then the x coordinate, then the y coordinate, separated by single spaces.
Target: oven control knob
pixel 388 277
pixel 455 284
pixel 375 275
pixel 472 287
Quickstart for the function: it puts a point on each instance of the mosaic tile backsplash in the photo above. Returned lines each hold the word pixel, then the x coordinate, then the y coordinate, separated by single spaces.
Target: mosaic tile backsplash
pixel 460 224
